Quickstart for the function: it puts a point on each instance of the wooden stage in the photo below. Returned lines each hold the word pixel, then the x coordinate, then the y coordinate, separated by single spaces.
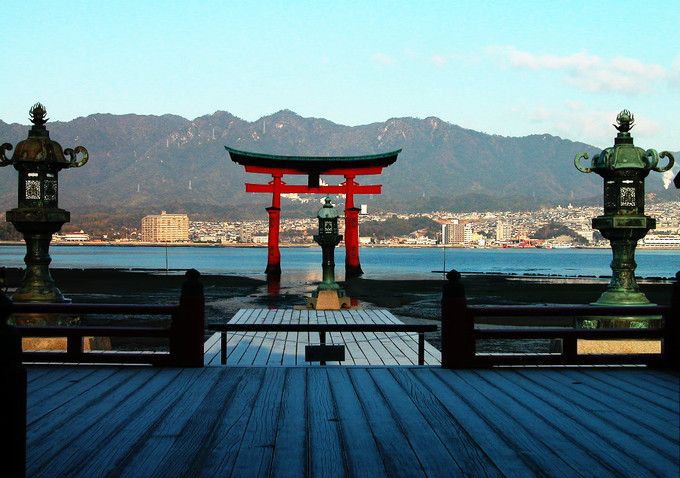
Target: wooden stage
pixel 351 421
pixel 288 348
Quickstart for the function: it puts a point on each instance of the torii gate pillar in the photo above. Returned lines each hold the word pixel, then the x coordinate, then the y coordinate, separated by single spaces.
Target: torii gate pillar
pixel 273 253
pixel 352 264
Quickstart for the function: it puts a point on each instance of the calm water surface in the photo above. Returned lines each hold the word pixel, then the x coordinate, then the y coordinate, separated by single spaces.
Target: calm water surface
pixel 378 263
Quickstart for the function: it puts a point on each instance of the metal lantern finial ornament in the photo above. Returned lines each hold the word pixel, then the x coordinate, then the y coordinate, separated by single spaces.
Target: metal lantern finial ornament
pixel 38 159
pixel 624 168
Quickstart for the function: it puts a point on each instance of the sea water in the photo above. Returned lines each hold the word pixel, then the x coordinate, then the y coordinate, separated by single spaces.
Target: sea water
pixel 304 263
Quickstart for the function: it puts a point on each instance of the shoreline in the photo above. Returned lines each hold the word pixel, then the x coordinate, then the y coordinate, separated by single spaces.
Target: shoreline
pixel 312 245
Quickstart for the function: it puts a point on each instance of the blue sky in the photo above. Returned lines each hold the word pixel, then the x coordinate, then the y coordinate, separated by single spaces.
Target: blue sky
pixel 508 68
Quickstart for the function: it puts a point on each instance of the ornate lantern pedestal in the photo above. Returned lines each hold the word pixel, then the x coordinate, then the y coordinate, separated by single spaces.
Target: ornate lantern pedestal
pixel 328 294
pixel 38 159
pixel 37 227
pixel 624 168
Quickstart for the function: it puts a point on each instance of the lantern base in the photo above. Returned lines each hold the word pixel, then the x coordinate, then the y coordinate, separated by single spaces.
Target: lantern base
pixel 622 297
pixel 328 300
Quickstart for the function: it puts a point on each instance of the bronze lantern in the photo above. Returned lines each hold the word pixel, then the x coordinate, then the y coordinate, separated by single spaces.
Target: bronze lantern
pixel 38 159
pixel 623 168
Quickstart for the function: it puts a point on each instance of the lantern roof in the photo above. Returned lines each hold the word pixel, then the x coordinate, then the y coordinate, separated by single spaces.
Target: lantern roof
pixel 327 211
pixel 317 164
pixel 39 148
pixel 624 155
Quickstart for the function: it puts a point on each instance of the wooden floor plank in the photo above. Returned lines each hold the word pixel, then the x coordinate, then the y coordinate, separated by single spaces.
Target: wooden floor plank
pixel 211 349
pixel 388 340
pixel 256 449
pixel 367 341
pixel 506 457
pixel 397 454
pixel 146 455
pixel 49 374
pixel 358 357
pixel 82 378
pixel 205 444
pixel 54 412
pixel 593 420
pixel 470 457
pixel 361 452
pixel 323 437
pixel 377 421
pixel 575 452
pixel 224 444
pixel 247 341
pixel 134 431
pixel 648 383
pixel 290 448
pixel 98 425
pixel 649 394
pixel 276 352
pixel 611 456
pixel 518 435
pixel 433 456
pixel 591 394
pixel 610 414
pixel 290 348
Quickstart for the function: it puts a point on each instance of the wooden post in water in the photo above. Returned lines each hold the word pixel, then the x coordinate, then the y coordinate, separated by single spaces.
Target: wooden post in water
pixel 12 396
pixel 458 341
pixel 188 325
pixel 670 349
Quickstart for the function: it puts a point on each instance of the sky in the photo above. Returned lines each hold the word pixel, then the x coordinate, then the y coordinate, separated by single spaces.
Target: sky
pixel 507 68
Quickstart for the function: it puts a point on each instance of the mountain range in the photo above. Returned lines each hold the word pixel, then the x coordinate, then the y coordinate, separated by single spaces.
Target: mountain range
pixel 141 164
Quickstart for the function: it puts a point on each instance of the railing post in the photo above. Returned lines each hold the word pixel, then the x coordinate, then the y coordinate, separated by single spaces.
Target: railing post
pixel 670 348
pixel 12 396
pixel 223 348
pixel 458 341
pixel 188 325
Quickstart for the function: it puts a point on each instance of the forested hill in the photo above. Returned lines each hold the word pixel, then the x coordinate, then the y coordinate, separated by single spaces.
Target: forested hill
pixel 142 164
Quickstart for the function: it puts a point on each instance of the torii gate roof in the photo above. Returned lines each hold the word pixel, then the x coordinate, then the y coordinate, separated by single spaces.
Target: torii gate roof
pixel 312 164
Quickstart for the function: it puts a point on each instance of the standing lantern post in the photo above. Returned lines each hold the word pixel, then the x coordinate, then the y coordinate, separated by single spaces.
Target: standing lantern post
pixel 38 159
pixel 328 295
pixel 624 168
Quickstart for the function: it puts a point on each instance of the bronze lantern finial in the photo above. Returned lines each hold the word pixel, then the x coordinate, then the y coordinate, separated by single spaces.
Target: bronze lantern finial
pixel 38 114
pixel 625 121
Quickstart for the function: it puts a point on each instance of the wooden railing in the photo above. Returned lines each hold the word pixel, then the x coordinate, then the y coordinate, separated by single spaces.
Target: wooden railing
pixel 322 329
pixel 184 335
pixel 460 336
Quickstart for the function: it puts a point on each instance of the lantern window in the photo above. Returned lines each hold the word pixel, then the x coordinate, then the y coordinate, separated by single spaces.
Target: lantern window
pixel 32 189
pixel 50 190
pixel 627 197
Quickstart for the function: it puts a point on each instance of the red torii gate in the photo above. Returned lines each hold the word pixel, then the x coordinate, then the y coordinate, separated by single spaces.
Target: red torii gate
pixel 313 167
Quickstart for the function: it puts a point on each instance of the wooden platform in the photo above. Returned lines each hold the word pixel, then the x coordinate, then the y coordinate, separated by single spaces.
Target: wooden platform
pixel 351 421
pixel 288 348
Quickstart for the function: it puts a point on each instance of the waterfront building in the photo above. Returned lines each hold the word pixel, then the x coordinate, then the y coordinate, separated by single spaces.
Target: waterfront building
pixel 454 232
pixel 165 227
pixel 503 231
pixel 72 237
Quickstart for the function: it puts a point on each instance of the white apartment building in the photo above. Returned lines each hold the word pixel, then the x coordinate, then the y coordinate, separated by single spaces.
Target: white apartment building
pixel 165 227
pixel 503 231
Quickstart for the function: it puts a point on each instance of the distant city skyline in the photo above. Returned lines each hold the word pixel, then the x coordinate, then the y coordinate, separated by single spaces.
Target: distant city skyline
pixel 507 68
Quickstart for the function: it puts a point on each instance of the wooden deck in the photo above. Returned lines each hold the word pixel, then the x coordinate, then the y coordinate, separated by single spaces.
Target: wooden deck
pixel 352 421
pixel 288 348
